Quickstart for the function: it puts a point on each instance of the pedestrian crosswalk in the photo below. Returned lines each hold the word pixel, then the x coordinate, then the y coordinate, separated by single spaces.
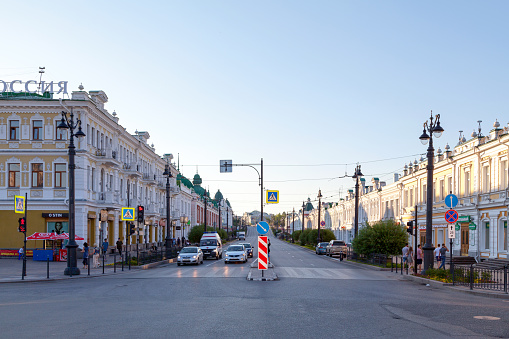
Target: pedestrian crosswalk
pixel 328 273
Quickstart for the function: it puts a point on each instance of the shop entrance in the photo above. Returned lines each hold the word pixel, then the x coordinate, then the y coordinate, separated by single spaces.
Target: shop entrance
pixel 464 239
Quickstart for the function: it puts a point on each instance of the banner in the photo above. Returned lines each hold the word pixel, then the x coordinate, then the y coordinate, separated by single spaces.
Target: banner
pixel 14 253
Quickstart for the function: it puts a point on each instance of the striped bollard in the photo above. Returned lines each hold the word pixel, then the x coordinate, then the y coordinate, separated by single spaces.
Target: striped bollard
pixel 263 257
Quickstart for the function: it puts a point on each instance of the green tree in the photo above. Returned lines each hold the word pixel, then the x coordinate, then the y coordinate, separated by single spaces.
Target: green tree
pixel 196 233
pixel 296 235
pixel 383 236
pixel 327 235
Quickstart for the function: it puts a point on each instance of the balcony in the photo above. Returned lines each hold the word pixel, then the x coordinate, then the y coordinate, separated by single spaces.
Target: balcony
pixel 149 179
pixel 132 169
pixel 108 198
pixel 107 157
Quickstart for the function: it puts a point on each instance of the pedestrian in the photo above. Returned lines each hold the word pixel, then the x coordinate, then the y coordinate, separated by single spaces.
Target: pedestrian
pixel 95 257
pixel 437 254
pixel 85 255
pixel 443 255
pixel 268 248
pixel 119 247
pixel 410 257
pixel 20 253
pixel 404 252
pixel 105 248
pixel 178 242
pixel 418 262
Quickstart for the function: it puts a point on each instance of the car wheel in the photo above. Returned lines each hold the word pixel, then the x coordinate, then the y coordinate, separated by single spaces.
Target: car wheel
pixel 178 264
pixel 225 262
pixel 201 262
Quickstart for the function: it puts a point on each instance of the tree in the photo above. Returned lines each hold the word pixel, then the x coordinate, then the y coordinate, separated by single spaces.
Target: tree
pixel 383 236
pixel 196 233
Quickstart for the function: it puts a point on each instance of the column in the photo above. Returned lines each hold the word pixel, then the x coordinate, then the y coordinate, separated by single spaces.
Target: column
pixel 97 240
pixel 116 226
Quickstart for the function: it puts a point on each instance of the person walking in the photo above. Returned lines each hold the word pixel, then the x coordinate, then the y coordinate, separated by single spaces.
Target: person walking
pixel 418 262
pixel 20 253
pixel 95 257
pixel 119 247
pixel 268 249
pixel 105 248
pixel 85 255
pixel 404 252
pixel 443 255
pixel 410 257
pixel 437 254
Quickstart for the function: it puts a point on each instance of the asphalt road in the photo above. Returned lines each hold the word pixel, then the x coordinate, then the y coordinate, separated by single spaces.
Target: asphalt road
pixel 315 297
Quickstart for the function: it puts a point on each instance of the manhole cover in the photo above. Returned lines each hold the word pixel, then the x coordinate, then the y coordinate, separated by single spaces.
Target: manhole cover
pixel 486 317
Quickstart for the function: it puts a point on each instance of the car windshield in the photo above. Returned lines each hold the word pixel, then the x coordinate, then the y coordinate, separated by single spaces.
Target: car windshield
pixel 323 244
pixel 235 248
pixel 247 245
pixel 189 250
pixel 208 242
pixel 338 243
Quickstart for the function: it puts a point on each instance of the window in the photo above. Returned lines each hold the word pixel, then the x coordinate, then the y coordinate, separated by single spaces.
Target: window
pixel 449 185
pixel 14 130
pixel 467 182
pixel 503 174
pixel 37 175
pixel 487 235
pixel 505 235
pixel 93 179
pixel 424 194
pixel 37 130
pixel 14 175
pixel 61 133
pixel 60 175
pixel 411 199
pixel 486 179
pixel 442 190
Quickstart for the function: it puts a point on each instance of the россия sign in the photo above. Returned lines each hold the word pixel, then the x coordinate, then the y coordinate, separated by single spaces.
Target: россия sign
pixel 32 86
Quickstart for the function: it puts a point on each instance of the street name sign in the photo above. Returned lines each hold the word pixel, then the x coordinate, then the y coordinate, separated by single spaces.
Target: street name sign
pixel 451 201
pixel 272 197
pixel 263 253
pixel 262 227
pixel 127 213
pixel 225 166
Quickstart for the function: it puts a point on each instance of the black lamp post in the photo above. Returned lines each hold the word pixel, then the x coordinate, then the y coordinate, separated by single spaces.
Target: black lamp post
pixel 293 222
pixel 168 242
pixel 356 177
pixel 205 215
pixel 303 207
pixel 72 268
pixel 319 213
pixel 435 130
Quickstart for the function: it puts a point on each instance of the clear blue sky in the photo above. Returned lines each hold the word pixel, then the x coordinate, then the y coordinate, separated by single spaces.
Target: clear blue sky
pixel 294 82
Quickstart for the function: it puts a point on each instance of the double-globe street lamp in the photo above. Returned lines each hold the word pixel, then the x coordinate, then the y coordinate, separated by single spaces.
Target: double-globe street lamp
pixel 168 242
pixel 435 130
pixel 357 175
pixel 72 268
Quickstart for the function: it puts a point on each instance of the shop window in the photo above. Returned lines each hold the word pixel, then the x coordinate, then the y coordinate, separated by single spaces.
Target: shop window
pixel 14 130
pixel 37 130
pixel 504 232
pixel 60 175
pixel 14 175
pixel 37 175
pixel 58 227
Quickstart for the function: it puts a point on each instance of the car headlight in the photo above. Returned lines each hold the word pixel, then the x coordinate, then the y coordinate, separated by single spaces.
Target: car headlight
pixel 178 257
pixel 226 254
pixel 194 257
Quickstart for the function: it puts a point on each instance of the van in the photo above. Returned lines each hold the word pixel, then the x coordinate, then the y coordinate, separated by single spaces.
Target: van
pixel 211 245
pixel 242 235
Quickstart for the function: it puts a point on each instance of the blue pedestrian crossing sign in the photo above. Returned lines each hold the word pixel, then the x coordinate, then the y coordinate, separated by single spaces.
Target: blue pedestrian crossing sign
pixel 19 204
pixel 262 227
pixel 128 213
pixel 451 201
pixel 272 197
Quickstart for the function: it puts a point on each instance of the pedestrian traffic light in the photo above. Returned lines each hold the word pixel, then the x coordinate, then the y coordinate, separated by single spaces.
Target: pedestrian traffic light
pixel 410 227
pixel 131 228
pixel 22 227
pixel 141 213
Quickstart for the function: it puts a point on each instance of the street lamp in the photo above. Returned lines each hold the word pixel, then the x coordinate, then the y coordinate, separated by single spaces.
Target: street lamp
pixel 319 212
pixel 72 268
pixel 168 242
pixel 356 177
pixel 293 222
pixel 435 130
pixel 205 215
pixel 303 207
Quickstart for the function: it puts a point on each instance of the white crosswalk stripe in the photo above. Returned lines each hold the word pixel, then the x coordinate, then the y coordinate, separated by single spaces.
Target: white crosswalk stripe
pixel 327 273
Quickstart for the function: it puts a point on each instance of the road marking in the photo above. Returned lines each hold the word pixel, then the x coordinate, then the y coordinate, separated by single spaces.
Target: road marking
pixel 486 317
pixel 328 273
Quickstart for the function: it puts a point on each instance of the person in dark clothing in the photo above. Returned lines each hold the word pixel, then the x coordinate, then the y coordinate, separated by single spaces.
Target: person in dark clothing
pixel 85 255
pixel 119 246
pixel 105 248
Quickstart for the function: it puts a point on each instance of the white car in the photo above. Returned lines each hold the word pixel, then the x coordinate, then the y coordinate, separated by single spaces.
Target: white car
pixel 190 255
pixel 235 253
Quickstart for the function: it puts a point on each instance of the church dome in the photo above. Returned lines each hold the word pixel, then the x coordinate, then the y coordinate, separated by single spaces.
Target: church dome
pixel 197 179
pixel 218 196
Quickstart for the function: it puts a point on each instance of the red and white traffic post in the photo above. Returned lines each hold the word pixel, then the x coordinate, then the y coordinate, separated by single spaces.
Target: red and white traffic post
pixel 263 254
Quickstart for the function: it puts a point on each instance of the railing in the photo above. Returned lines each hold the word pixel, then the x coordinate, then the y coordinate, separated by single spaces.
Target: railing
pixel 375 259
pixel 484 278
pixel 147 257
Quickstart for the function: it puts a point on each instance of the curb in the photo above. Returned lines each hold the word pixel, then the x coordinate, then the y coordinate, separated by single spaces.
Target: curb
pixel 271 276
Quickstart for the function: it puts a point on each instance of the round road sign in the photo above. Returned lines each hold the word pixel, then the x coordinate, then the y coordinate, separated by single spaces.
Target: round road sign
pixel 451 216
pixel 322 223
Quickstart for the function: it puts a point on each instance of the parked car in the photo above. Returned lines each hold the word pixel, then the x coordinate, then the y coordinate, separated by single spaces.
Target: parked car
pixel 190 255
pixel 321 248
pixel 249 249
pixel 336 247
pixel 235 253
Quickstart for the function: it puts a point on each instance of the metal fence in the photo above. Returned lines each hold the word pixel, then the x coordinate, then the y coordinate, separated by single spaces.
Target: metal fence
pixel 147 257
pixel 375 259
pixel 485 278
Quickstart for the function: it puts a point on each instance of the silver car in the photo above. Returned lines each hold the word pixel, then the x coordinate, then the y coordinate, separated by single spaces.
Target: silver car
pixel 235 253
pixel 190 255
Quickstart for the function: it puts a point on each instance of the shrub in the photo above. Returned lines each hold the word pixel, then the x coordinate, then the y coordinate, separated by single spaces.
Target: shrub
pixel 385 237
pixel 327 235
pixel 296 235
pixel 197 231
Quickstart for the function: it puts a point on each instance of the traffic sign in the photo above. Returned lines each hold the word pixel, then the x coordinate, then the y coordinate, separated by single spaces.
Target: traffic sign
pixel 272 197
pixel 322 223
pixel 225 166
pixel 127 213
pixel 451 216
pixel 262 227
pixel 451 201
pixel 452 231
pixel 19 204
pixel 263 253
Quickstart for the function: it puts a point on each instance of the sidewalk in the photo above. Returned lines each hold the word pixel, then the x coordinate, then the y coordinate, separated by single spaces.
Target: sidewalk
pixel 11 268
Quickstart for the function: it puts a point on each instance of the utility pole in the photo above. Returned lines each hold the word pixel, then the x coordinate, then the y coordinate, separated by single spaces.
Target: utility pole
pixel 319 212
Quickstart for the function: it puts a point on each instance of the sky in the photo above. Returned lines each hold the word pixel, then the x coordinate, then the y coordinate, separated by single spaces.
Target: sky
pixel 312 87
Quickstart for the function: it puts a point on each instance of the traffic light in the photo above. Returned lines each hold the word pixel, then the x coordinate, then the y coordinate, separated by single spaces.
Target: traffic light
pixel 410 227
pixel 131 228
pixel 141 213
pixel 22 227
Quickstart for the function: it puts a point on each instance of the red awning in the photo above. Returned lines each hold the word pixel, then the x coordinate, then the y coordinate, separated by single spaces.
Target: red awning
pixel 42 236
pixel 65 236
